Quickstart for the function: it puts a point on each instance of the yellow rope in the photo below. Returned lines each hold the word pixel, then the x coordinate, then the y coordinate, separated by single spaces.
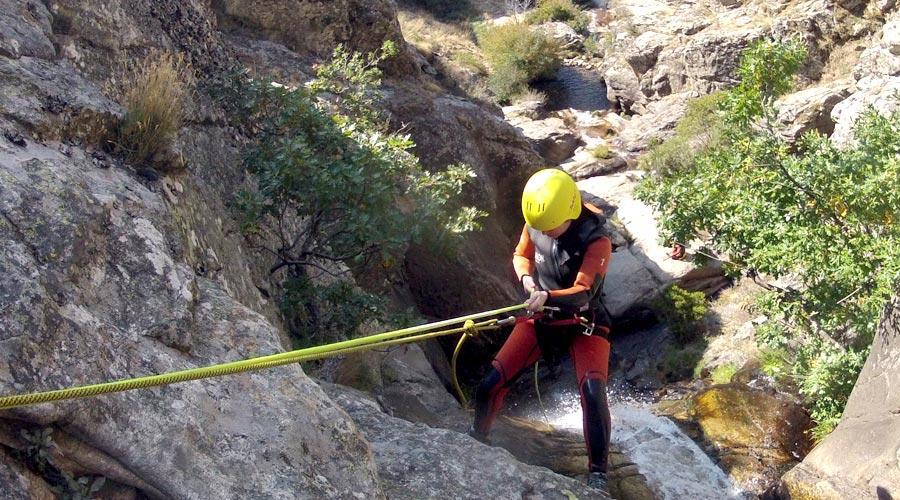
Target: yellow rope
pixel 469 330
pixel 388 338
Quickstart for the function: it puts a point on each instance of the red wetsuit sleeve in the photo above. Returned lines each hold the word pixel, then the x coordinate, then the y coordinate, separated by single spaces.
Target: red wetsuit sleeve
pixel 523 257
pixel 594 265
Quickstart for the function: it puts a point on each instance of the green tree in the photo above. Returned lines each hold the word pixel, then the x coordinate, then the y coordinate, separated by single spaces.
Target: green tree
pixel 335 189
pixel 817 215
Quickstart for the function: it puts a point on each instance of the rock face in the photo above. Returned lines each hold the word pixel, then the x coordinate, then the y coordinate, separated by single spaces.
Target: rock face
pixel 756 434
pixel 877 82
pixel 448 130
pixel 404 384
pixel 859 459
pixel 19 483
pixel 416 461
pixel 97 289
pixel 810 109
pixel 664 49
pixel 552 138
pixel 111 272
pixel 309 26
pixel 567 37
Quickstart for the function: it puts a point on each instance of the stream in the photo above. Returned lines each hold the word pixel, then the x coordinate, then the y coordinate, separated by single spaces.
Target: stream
pixel 674 466
pixel 575 88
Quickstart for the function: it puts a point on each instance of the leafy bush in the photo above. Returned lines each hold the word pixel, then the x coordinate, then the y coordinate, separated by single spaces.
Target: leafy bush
pixel 723 373
pixel 684 311
pixel 594 46
pixel 559 10
pixel 775 363
pixel 335 188
pixel 600 152
pixel 518 55
pixel 154 100
pixel 811 211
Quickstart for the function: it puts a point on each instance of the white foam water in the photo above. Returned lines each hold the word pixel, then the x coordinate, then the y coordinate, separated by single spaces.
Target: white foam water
pixel 675 467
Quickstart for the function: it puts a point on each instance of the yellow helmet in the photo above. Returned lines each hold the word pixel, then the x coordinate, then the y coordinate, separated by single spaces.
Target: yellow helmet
pixel 550 198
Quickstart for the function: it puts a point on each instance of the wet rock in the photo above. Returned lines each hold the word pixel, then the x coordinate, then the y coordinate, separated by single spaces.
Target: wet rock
pixel 680 469
pixel 563 451
pixel 626 481
pixel 756 434
pixel 859 458
pixel 810 109
pixel 413 460
pixel 552 138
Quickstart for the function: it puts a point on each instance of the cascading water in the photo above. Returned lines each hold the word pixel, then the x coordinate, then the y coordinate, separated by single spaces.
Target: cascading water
pixel 675 467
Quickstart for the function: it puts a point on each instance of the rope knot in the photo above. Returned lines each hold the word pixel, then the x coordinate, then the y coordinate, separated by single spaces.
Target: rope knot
pixel 469 329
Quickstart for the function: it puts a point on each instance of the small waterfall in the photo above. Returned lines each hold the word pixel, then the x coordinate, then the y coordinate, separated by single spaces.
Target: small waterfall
pixel 673 464
pixel 675 467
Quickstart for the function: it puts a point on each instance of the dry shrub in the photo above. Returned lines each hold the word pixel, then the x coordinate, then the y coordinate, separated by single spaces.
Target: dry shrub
pixel 154 95
pixel 531 95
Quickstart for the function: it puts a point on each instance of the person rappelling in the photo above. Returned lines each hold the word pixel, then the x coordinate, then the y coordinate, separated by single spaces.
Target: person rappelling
pixel 560 260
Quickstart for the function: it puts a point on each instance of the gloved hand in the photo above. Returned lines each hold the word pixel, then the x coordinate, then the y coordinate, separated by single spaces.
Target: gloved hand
pixel 528 284
pixel 536 301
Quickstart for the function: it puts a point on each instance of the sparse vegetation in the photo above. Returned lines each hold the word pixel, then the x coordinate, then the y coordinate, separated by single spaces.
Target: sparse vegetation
pixel 600 152
pixel 559 10
pixel 531 95
pixel 153 99
pixel 518 55
pixel 723 373
pixel 680 362
pixel 594 46
pixel 699 131
pixel 37 456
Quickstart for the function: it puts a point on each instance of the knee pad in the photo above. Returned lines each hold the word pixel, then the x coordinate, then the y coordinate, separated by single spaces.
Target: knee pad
pixel 488 386
pixel 594 391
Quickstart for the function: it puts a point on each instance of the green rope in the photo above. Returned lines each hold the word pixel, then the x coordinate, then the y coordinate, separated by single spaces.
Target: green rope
pixel 259 363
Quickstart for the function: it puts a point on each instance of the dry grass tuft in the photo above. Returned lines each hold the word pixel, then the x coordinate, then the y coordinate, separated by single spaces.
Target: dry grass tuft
pixel 154 95
pixel 531 95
